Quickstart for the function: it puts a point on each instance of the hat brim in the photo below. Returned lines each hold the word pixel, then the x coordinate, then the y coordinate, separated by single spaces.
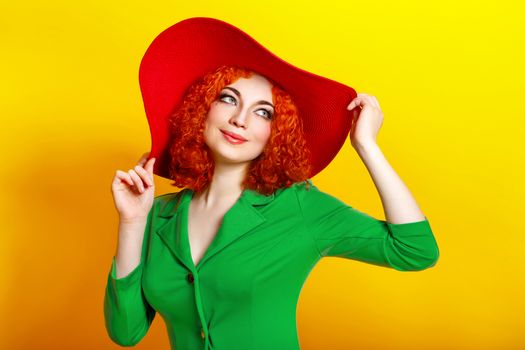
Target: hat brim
pixel 193 47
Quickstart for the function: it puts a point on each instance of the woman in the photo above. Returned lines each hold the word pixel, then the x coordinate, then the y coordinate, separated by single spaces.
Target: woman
pixel 223 261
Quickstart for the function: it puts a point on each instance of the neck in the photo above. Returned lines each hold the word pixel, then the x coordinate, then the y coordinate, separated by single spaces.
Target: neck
pixel 225 187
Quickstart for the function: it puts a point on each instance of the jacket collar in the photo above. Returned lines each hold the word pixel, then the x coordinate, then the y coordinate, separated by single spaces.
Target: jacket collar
pixel 249 196
pixel 241 218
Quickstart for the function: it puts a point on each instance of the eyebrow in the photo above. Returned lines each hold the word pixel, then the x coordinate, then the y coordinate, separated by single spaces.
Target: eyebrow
pixel 263 102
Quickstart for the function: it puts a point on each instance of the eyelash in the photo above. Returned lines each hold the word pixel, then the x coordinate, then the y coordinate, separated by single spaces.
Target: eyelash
pixel 269 116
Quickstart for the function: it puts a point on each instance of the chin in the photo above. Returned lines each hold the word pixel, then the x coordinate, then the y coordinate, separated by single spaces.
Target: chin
pixel 232 156
pixel 231 153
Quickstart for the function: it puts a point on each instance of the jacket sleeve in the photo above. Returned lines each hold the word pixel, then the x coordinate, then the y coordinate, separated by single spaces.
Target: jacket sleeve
pixel 338 230
pixel 127 313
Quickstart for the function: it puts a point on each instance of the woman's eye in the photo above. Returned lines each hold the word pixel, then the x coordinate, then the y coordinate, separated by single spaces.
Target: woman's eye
pixel 227 96
pixel 268 114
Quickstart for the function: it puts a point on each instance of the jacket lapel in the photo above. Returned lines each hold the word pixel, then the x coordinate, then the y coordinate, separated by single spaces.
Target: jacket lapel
pixel 241 218
pixel 169 229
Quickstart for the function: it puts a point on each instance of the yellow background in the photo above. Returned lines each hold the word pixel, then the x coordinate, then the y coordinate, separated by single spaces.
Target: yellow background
pixel 448 76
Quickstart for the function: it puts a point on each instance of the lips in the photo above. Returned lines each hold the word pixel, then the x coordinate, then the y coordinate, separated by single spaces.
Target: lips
pixel 233 135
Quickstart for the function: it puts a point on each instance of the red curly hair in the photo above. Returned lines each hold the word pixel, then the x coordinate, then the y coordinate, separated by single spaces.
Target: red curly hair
pixel 285 159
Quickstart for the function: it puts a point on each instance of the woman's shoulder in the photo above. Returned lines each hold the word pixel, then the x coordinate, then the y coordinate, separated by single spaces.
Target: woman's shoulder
pixel 303 185
pixel 310 196
pixel 165 203
pixel 300 186
pixel 304 188
pixel 168 196
pixel 296 187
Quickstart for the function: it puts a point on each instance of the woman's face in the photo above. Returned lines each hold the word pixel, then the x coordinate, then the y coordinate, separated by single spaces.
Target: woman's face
pixel 245 108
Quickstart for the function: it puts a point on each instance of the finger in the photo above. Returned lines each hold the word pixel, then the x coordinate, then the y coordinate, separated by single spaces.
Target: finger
pixel 367 100
pixel 124 177
pixel 354 103
pixel 143 159
pixel 360 101
pixel 149 166
pixel 375 101
pixel 136 180
pixel 144 175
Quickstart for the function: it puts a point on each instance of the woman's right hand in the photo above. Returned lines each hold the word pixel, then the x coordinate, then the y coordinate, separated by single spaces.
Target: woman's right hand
pixel 134 191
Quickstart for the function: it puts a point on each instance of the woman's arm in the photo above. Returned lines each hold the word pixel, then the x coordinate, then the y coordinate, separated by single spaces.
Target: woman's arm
pixel 398 203
pixel 404 241
pixel 339 230
pixel 128 315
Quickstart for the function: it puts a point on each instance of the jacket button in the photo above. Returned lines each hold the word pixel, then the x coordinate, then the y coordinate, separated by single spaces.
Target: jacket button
pixel 202 333
pixel 190 277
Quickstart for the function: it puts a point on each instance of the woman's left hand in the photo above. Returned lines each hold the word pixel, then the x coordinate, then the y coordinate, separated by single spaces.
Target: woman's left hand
pixel 367 119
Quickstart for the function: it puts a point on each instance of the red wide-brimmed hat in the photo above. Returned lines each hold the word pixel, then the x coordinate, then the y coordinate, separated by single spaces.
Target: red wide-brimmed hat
pixel 196 46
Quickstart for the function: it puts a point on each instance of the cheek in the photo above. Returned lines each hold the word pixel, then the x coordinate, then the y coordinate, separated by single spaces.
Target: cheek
pixel 213 117
pixel 213 120
pixel 218 113
pixel 262 132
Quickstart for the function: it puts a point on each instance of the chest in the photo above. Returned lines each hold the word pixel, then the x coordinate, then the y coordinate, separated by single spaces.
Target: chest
pixel 202 229
pixel 244 261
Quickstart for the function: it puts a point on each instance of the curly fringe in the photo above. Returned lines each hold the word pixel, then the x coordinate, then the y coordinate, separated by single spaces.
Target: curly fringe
pixel 284 161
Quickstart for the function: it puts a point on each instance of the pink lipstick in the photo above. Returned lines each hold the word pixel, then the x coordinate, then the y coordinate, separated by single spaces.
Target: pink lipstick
pixel 231 138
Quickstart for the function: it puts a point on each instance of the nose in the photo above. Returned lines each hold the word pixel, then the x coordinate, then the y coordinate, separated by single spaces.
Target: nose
pixel 239 119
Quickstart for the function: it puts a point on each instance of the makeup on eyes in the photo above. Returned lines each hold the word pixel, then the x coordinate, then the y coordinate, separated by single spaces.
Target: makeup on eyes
pixel 270 114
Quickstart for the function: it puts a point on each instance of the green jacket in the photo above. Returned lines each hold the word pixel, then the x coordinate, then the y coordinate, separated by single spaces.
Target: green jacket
pixel 244 291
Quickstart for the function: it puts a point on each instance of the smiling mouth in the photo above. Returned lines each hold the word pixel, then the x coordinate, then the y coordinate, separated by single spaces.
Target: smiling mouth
pixel 232 134
pixel 232 139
